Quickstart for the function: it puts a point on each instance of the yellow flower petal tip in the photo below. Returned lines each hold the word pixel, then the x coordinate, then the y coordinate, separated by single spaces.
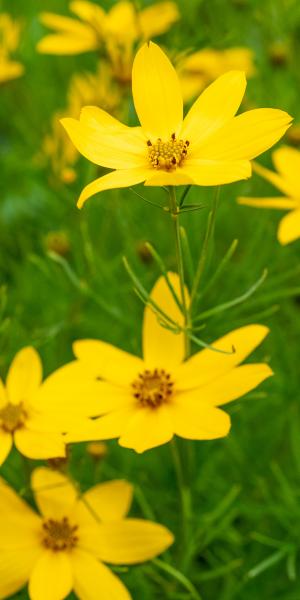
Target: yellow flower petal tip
pixel 210 146
pixel 286 179
pixel 146 401
pixel 71 538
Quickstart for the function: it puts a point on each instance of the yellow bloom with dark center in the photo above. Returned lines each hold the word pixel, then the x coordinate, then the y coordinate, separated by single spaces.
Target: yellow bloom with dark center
pixel 64 548
pixel 197 70
pixel 287 163
pixel 118 29
pixel 209 147
pixel 146 401
pixel 9 42
pixel 23 420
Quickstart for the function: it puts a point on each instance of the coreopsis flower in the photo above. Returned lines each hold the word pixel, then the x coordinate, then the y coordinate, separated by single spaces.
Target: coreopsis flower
pixel 199 69
pixel 23 420
pixel 146 401
pixel 9 42
pixel 209 147
pixel 85 88
pixel 65 546
pixel 287 163
pixel 120 27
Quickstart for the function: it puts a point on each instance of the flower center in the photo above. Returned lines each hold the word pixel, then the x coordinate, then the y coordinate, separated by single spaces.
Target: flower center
pixel 12 417
pixel 59 535
pixel 167 155
pixel 153 388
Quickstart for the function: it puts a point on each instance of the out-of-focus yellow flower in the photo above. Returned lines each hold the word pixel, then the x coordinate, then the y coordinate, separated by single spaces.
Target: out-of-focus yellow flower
pixel 197 70
pixel 64 548
pixel 97 450
pixel 287 162
pixel 120 27
pixel 9 41
pixel 85 89
pixel 211 146
pixel 23 419
pixel 145 402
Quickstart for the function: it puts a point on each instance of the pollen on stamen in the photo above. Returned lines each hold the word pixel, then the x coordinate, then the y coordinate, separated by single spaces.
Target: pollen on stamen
pixel 153 388
pixel 59 535
pixel 167 155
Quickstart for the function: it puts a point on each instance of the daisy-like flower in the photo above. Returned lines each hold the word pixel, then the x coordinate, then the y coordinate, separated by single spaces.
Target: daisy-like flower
pixel 145 402
pixel 209 147
pixel 287 163
pixel 200 68
pixel 64 548
pixel 121 26
pixel 9 42
pixel 23 420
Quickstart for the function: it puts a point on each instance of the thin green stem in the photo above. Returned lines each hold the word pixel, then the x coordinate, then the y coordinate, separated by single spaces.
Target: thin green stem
pixel 185 496
pixel 180 577
pixel 174 211
pixel 204 251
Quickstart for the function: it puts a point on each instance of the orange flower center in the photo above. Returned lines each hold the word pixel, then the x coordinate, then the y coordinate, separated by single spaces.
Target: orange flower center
pixel 153 388
pixel 12 417
pixel 167 155
pixel 59 535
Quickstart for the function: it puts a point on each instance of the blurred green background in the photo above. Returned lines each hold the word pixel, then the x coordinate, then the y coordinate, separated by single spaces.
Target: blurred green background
pixel 246 513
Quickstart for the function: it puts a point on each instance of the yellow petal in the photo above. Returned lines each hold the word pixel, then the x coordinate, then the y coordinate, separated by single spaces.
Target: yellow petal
pixel 93 580
pixel 109 362
pixel 110 501
pixel 3 396
pixel 215 107
pixel 105 428
pixel 246 136
pixel 51 577
pixel 64 24
pixel 114 180
pixel 208 365
pixel 24 376
pixel 67 44
pixel 287 163
pixel 155 20
pixel 124 149
pixel 20 525
pixel 177 177
pixel 15 568
pixel 218 172
pixel 289 228
pixel 276 180
pixel 161 348
pixel 10 70
pixel 39 445
pixel 147 429
pixel 100 120
pixel 71 390
pixel 278 203
pixel 55 494
pixel 89 12
pixel 156 93
pixel 131 541
pixel 198 421
pixel 6 441
pixel 232 385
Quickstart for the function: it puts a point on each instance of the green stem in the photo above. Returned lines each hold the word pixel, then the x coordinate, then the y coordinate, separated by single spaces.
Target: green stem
pixel 185 496
pixel 174 211
pixel 180 577
pixel 204 251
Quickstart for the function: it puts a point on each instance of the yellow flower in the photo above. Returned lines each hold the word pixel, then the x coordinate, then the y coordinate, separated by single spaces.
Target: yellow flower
pixel 145 402
pixel 9 41
pixel 121 26
pixel 85 89
pixel 22 416
pixel 209 147
pixel 287 162
pixel 65 547
pixel 197 70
